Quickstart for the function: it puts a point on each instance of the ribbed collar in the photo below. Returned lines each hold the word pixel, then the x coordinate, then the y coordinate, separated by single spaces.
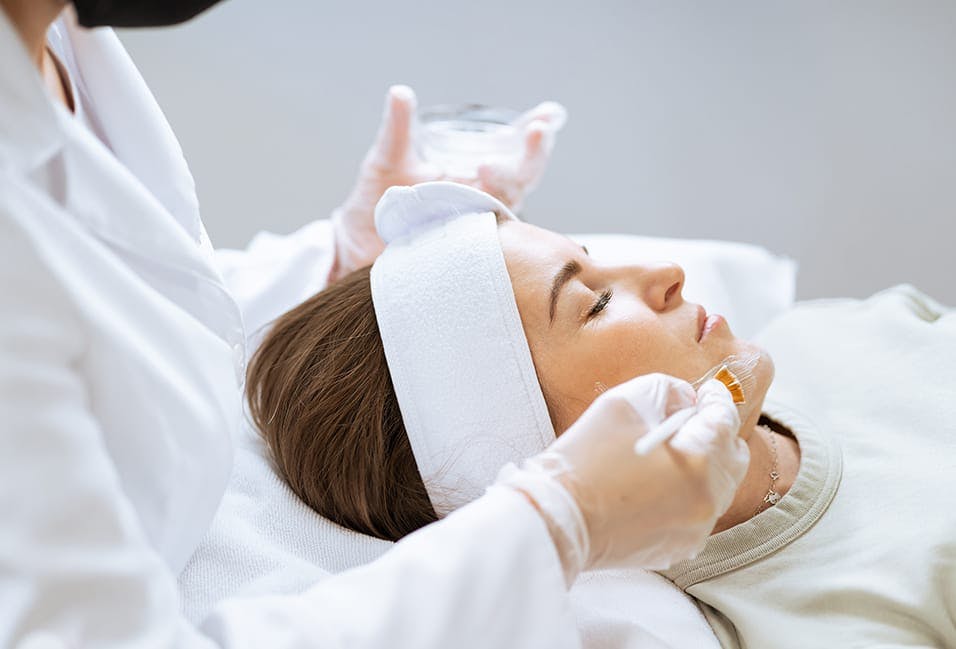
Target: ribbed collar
pixel 821 467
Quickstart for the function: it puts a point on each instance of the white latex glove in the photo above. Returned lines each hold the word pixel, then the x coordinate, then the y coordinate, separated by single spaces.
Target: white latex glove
pixel 606 506
pixel 392 160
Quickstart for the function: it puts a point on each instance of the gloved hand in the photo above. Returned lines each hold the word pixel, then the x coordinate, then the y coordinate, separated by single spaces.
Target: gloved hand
pixel 392 160
pixel 606 506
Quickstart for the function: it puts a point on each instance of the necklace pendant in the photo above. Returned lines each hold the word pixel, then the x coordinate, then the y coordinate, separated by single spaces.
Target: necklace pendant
pixel 774 475
pixel 772 497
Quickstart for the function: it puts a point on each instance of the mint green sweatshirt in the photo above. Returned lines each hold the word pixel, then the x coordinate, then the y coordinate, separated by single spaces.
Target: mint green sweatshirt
pixel 861 552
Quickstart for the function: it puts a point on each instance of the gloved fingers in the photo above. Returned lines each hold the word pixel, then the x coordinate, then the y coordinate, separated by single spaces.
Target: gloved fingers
pixel 726 474
pixel 499 181
pixel 716 404
pixel 550 112
pixel 684 545
pixel 691 544
pixel 680 395
pixel 654 397
pixel 393 141
pixel 492 179
pixel 538 144
pixel 713 391
pixel 738 468
pixel 510 181
pixel 712 434
pixel 715 426
pixel 670 546
pixel 539 124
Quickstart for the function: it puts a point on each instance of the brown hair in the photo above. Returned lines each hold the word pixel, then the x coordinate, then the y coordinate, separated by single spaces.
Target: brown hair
pixel 321 395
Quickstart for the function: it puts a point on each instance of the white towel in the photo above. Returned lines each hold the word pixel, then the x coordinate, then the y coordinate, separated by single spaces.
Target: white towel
pixel 456 350
pixel 265 541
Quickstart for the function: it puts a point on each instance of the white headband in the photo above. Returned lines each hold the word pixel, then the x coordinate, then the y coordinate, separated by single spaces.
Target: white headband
pixel 456 350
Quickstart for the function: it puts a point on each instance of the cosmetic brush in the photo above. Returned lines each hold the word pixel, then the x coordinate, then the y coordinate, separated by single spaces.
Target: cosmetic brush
pixel 736 372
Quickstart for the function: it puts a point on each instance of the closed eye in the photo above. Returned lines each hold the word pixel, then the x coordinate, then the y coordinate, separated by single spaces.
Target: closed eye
pixel 601 303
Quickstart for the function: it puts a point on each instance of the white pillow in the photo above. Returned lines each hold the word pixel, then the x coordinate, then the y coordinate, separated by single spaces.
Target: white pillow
pixel 264 540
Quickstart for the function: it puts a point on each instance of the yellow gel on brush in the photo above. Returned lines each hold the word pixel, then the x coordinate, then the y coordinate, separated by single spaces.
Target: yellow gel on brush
pixel 729 379
pixel 736 372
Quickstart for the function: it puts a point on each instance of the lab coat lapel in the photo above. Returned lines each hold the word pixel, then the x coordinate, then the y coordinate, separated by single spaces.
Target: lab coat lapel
pixel 151 222
pixel 105 195
pixel 28 136
pixel 143 197
pixel 131 121
pixel 150 209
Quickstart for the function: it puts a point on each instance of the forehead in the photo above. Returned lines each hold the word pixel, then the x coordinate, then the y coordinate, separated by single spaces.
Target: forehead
pixel 529 248
pixel 533 255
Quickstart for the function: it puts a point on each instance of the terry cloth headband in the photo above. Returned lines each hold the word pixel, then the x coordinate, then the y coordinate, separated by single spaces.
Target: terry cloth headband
pixel 456 350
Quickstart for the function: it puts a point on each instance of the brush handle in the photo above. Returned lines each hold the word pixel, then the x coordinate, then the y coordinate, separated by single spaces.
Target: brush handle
pixel 656 436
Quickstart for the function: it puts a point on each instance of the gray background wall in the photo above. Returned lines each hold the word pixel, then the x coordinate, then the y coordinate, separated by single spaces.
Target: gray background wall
pixel 822 130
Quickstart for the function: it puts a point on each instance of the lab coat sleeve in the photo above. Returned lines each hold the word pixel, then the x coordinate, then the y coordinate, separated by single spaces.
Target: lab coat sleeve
pixel 276 273
pixel 78 571
pixel 486 576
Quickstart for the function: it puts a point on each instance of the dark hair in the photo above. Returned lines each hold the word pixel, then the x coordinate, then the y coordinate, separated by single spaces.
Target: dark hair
pixel 321 395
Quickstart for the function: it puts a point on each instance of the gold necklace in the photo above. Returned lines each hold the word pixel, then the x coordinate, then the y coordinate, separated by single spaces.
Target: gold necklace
pixel 772 497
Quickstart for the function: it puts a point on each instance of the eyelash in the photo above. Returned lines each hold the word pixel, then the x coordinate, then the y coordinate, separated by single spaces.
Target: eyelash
pixel 601 303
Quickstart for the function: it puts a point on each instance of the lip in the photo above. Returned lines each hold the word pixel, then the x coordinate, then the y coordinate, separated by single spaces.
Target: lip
pixel 713 321
pixel 701 321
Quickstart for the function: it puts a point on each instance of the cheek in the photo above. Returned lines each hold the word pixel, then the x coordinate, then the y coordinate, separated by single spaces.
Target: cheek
pixel 571 378
pixel 573 374
pixel 636 348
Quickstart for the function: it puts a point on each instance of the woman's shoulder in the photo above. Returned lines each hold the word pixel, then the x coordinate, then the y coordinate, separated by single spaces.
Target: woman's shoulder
pixel 903 291
pixel 845 339
pixel 907 296
pixel 902 300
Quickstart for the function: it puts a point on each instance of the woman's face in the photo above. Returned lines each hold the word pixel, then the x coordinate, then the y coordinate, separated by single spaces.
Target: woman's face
pixel 592 326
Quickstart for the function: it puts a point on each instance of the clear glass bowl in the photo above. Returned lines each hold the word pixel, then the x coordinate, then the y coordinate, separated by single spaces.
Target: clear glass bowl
pixel 458 138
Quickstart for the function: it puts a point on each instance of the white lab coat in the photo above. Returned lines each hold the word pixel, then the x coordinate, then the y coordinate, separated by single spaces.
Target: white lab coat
pixel 121 356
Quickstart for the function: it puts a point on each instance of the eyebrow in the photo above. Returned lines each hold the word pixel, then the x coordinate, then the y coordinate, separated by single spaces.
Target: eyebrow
pixel 562 277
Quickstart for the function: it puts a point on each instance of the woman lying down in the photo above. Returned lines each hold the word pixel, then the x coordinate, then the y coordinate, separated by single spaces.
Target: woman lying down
pixel 392 397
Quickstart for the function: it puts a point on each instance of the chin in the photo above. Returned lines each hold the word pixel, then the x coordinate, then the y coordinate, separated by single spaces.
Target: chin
pixel 763 376
pixel 765 371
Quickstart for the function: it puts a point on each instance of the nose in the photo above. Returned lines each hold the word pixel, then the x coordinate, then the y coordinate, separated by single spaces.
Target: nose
pixel 660 285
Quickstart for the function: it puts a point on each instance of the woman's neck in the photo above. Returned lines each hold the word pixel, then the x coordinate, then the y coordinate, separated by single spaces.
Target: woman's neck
pixel 32 19
pixel 750 495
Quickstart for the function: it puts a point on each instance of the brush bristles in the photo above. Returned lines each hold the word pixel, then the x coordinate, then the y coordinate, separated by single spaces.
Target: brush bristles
pixel 736 372
pixel 728 378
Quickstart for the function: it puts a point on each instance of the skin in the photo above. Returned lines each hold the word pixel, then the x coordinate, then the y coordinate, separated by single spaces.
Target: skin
pixel 611 323
pixel 32 20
